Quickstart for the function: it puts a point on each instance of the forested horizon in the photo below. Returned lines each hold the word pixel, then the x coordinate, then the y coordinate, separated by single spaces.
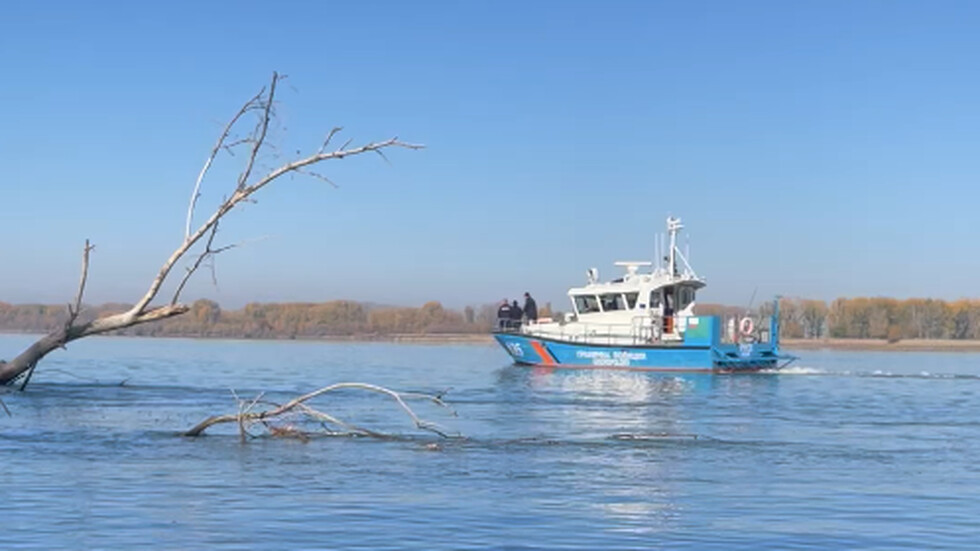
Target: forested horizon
pixel 855 318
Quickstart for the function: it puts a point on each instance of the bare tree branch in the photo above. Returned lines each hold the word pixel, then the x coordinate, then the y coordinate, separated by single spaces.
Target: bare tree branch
pixel 263 105
pixel 243 410
pixel 259 136
pixel 243 194
pixel 326 142
pixel 327 418
pixel 73 313
pixel 73 310
pixel 383 156
pixel 218 146
pixel 244 416
pixel 197 264
pixel 318 176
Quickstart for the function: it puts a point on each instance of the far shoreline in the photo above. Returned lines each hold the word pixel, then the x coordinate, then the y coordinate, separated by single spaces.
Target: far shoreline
pixel 881 345
pixel 856 345
pixel 408 338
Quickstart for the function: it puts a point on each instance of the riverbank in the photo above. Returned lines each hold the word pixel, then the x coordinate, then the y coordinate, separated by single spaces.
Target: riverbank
pixel 910 345
pixel 448 338
pixel 419 338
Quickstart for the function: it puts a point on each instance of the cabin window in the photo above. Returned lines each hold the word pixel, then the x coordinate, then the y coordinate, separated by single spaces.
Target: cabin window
pixel 686 296
pixel 612 302
pixel 655 298
pixel 586 304
pixel 631 299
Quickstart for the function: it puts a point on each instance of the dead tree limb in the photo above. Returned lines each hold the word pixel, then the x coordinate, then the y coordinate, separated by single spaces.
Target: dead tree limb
pixel 218 146
pixel 73 310
pixel 245 416
pixel 262 104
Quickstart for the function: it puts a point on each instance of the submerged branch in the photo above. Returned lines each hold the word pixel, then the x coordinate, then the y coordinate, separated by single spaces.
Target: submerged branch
pixel 245 416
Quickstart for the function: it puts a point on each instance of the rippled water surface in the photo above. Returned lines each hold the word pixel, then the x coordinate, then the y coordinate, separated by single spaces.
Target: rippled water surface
pixel 850 451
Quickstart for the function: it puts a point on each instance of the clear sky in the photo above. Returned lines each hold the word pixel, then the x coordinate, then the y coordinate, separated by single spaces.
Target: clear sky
pixel 815 149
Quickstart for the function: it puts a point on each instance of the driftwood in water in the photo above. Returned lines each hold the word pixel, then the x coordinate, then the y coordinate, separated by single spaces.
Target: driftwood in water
pixel 245 417
pixel 262 105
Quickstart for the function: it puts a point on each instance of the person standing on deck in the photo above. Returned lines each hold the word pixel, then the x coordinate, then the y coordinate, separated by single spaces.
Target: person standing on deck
pixel 503 315
pixel 530 308
pixel 515 315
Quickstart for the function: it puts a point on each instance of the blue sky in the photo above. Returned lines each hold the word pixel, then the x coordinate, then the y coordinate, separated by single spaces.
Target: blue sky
pixel 815 149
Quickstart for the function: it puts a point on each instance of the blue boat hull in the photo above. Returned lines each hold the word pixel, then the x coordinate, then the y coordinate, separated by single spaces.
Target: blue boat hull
pixel 682 357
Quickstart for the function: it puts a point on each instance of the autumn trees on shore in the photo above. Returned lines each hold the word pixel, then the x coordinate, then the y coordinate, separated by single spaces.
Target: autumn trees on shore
pixel 206 318
pixel 870 318
pixel 857 318
pixel 881 318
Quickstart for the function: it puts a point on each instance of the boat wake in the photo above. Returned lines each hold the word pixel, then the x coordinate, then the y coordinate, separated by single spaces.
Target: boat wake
pixel 920 375
pixel 796 370
pixel 656 436
pixel 878 373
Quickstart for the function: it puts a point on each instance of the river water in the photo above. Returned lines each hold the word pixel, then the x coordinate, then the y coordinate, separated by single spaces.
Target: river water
pixel 850 450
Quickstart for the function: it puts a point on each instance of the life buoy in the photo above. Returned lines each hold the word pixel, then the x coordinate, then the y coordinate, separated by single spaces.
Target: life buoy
pixel 746 326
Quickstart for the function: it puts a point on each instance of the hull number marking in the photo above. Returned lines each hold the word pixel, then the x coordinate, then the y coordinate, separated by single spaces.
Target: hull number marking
pixel 618 359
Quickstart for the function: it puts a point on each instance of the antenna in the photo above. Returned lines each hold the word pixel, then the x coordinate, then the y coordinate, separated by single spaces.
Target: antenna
pixel 673 226
pixel 656 250
pixel 751 300
pixel 687 251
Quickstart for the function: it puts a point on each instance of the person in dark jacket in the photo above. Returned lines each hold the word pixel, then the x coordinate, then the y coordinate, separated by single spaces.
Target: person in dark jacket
pixel 503 315
pixel 515 315
pixel 530 308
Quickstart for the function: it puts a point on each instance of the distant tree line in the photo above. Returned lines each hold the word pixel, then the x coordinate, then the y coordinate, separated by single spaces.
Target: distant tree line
pixel 871 318
pixel 856 318
pixel 274 320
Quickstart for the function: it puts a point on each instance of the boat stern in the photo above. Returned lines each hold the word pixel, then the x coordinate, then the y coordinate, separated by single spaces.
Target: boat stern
pixel 732 351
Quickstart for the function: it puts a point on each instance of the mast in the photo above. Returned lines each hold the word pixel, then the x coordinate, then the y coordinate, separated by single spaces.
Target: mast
pixel 774 325
pixel 673 226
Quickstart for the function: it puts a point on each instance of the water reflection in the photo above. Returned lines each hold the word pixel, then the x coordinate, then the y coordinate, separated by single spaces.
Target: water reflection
pixel 622 421
pixel 643 500
pixel 595 404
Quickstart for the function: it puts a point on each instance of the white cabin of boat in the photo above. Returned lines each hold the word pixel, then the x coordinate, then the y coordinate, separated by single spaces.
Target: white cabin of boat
pixel 639 306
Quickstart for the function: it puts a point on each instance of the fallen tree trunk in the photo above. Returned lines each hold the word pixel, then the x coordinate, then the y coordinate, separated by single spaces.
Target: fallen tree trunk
pixel 27 360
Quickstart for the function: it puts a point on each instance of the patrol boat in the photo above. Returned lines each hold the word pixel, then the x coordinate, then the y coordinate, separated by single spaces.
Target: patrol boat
pixel 645 320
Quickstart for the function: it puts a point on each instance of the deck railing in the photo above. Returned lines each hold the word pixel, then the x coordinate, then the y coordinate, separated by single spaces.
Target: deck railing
pixel 642 330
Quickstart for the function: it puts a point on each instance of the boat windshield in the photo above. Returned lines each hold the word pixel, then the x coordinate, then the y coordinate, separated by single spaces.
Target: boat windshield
pixel 612 302
pixel 586 304
pixel 631 299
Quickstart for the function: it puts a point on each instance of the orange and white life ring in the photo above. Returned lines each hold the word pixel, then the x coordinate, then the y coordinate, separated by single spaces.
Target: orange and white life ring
pixel 746 326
